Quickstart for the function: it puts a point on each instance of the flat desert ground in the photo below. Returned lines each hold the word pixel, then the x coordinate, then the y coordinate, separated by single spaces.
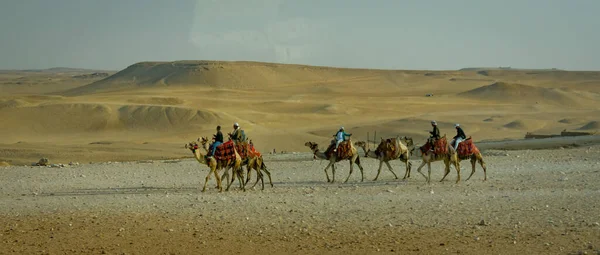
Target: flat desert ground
pixel 136 190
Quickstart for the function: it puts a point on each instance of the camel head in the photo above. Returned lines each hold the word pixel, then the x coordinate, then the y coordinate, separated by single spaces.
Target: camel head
pixel 360 144
pixel 203 140
pixel 312 146
pixel 193 146
pixel 408 141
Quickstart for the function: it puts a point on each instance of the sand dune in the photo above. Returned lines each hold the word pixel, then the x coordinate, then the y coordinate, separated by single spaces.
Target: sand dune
pixel 55 119
pixel 568 121
pixel 519 93
pixel 157 100
pixel 95 119
pixel 12 103
pixel 165 118
pixel 592 125
pixel 517 124
pixel 236 75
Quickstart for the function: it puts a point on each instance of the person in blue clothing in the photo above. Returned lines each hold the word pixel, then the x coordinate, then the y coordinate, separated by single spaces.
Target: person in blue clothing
pixel 340 136
pixel 218 137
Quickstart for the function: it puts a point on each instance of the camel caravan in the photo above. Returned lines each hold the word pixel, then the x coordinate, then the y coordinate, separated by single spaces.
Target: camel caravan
pixel 239 151
pixel 233 154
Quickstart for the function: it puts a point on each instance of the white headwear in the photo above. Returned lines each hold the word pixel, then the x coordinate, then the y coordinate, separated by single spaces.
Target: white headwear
pixel 456 125
pixel 433 122
pixel 236 124
pixel 342 128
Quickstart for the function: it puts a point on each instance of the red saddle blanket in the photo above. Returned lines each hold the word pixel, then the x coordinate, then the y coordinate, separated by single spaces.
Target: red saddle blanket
pixel 466 148
pixel 246 150
pixel 440 146
pixel 343 150
pixel 225 151
pixel 252 151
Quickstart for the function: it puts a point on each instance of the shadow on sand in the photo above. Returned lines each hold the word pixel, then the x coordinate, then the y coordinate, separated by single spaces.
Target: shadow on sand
pixel 234 187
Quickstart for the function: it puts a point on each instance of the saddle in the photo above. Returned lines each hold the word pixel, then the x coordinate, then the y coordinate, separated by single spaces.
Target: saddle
pixel 467 148
pixel 225 151
pixel 440 146
pixel 387 148
pixel 343 150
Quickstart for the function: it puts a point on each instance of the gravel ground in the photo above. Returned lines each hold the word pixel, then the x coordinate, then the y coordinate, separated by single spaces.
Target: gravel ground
pixel 535 201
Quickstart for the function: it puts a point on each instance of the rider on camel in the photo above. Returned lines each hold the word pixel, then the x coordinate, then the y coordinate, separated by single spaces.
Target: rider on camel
pixel 236 135
pixel 435 134
pixel 340 136
pixel 459 137
pixel 218 140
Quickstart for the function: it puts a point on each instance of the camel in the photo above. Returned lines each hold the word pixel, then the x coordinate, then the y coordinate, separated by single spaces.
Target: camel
pixel 216 165
pixel 251 161
pixel 450 157
pixel 467 150
pixel 352 156
pixel 385 154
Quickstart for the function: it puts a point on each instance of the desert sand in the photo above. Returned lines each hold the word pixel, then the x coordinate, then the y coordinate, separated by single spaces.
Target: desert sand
pixel 541 196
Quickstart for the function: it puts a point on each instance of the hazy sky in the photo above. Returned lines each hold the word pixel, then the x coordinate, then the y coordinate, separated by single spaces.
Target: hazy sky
pixel 389 34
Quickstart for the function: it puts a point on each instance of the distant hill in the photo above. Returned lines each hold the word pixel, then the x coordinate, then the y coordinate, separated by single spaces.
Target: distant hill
pixel 56 70
pixel 217 74
pixel 513 92
pixel 250 75
pixel 507 68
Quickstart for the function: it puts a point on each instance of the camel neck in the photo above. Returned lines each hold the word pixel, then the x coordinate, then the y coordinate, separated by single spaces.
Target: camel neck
pixel 198 155
pixel 319 154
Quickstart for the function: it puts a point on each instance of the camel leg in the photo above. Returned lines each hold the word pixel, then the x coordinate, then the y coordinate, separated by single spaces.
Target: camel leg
pixel 408 167
pixel 240 178
pixel 351 168
pixel 333 172
pixel 248 173
pixel 225 176
pixel 362 171
pixel 264 168
pixel 482 163
pixel 232 176
pixel 390 168
pixel 457 166
pixel 428 172
pixel 218 179
pixel 259 176
pixel 447 170
pixel 326 174
pixel 419 170
pixel 379 170
pixel 473 161
pixel 208 178
pixel 235 172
